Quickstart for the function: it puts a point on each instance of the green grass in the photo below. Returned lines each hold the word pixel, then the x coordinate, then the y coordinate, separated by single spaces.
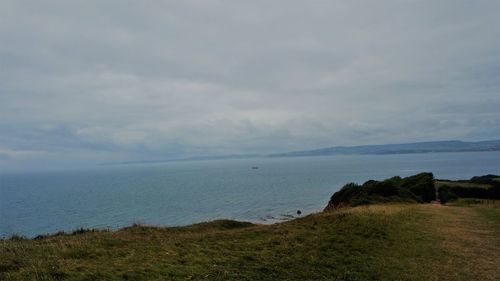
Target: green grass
pixel 475 202
pixel 492 214
pixel 488 209
pixel 440 183
pixel 380 242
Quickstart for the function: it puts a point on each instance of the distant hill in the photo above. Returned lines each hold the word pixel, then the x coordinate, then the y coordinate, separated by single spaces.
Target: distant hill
pixel 402 148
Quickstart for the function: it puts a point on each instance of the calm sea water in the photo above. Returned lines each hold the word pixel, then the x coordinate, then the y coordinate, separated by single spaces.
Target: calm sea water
pixel 187 192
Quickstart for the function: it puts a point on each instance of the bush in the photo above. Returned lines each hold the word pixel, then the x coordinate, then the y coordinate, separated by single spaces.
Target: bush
pixel 446 195
pixel 495 192
pixel 486 179
pixel 422 185
pixel 471 192
pixel 418 188
pixel 385 189
pixel 344 196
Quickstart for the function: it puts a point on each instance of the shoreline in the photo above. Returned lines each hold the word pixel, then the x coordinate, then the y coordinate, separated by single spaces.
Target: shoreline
pixel 380 230
pixel 268 220
pixel 372 242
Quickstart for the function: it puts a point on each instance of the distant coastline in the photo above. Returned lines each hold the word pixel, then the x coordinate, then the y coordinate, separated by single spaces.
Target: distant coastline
pixel 376 149
pixel 400 148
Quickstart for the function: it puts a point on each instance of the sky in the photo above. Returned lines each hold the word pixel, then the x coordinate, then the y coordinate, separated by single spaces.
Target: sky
pixel 92 82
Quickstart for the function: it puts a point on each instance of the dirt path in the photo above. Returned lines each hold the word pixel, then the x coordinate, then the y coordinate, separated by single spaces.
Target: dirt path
pixel 471 240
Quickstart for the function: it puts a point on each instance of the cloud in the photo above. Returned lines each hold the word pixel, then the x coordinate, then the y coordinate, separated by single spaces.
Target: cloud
pixel 103 81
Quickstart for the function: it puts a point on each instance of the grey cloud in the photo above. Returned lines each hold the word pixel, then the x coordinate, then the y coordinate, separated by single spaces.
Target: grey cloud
pixel 101 81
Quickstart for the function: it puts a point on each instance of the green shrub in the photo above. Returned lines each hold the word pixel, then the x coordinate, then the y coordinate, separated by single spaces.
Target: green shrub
pixel 344 196
pixel 385 188
pixel 486 179
pixel 422 185
pixel 446 195
pixel 418 188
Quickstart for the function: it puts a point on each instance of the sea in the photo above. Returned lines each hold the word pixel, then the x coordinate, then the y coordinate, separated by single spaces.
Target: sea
pixel 261 190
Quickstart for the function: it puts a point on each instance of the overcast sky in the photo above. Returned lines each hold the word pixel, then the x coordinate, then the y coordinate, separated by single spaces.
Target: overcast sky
pixel 89 82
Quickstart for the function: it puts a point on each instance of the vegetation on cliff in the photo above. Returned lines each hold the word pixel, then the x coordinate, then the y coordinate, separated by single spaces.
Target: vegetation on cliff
pixel 481 187
pixel 417 188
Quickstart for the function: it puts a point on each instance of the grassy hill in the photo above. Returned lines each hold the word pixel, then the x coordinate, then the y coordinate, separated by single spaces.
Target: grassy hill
pixel 390 241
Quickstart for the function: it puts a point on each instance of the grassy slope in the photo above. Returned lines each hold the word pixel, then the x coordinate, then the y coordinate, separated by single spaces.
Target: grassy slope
pixel 408 242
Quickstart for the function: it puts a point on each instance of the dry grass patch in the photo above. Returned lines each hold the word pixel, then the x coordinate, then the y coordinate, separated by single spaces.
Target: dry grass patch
pixel 470 241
